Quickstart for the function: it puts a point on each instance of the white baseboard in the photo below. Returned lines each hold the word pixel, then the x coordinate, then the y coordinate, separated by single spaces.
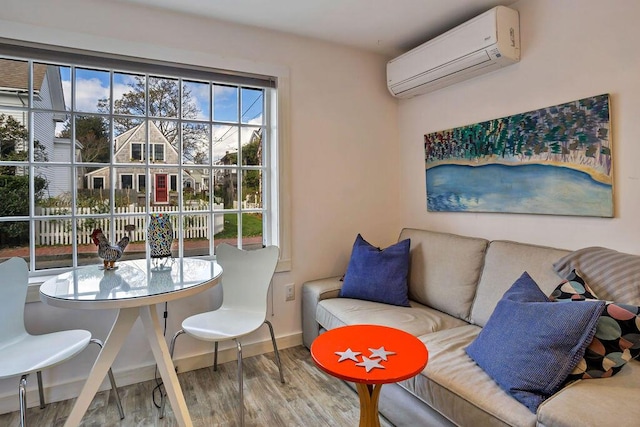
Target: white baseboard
pixel 71 389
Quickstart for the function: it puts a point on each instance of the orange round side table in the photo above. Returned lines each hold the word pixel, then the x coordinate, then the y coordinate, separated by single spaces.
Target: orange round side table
pixel 370 356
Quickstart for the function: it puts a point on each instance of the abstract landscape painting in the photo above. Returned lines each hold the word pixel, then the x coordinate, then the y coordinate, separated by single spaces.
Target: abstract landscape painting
pixel 555 160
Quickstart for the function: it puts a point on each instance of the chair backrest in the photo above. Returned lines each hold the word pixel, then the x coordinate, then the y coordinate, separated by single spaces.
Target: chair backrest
pixel 14 279
pixel 246 276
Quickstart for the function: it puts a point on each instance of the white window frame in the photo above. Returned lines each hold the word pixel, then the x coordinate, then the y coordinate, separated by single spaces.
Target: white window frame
pixel 278 226
pixel 138 176
pixel 141 158
pixel 153 153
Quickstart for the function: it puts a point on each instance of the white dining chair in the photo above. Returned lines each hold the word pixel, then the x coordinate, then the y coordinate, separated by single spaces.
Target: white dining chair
pixel 22 353
pixel 246 278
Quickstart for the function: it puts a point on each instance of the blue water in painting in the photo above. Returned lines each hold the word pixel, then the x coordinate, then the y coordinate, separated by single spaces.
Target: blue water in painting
pixel 532 188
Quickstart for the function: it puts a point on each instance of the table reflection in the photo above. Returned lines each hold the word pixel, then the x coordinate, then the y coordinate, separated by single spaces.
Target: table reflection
pixel 131 279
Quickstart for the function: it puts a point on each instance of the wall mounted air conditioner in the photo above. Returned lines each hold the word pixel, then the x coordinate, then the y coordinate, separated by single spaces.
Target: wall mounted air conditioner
pixel 483 44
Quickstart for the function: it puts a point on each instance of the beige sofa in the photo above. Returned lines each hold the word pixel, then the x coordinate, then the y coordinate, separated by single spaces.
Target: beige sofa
pixel 455 283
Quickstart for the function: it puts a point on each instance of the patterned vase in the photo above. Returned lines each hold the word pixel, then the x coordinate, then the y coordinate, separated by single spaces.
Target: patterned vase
pixel 160 235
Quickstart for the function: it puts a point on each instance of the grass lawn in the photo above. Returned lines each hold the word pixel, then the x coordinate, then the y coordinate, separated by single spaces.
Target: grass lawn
pixel 251 226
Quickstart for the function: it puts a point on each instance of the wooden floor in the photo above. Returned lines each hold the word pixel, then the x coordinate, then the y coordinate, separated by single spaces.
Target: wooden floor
pixel 309 397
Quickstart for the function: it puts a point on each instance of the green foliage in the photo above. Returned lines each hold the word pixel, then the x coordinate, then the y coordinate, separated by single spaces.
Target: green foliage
pixel 12 135
pixel 93 133
pixel 14 146
pixel 14 193
pixel 14 180
pixel 251 180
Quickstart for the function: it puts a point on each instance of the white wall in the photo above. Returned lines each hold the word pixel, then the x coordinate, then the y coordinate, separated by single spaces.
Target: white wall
pixel 343 165
pixel 571 49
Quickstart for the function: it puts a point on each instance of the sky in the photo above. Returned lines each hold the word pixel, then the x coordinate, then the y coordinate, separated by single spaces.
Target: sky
pixel 93 85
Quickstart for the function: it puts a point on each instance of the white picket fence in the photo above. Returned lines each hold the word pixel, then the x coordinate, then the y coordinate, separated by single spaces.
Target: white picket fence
pixel 58 232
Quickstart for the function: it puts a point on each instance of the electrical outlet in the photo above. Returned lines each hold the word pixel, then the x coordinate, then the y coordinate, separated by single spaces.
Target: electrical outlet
pixel 290 292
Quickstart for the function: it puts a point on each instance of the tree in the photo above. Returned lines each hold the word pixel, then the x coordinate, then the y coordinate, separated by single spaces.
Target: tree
pixel 164 102
pixel 13 136
pixel 251 153
pixel 14 146
pixel 14 183
pixel 93 134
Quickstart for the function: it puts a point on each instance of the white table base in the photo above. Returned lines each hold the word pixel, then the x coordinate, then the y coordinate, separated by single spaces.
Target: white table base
pixel 121 328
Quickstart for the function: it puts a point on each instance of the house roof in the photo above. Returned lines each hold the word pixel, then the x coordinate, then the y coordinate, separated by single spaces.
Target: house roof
pixel 14 75
pixel 138 134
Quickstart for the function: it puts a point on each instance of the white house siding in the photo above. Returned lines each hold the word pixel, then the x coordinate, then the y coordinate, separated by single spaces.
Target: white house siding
pixel 138 135
pixel 44 132
pixel 123 156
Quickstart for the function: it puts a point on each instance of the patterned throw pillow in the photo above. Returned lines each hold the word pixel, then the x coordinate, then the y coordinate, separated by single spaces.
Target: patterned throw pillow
pixel 573 288
pixel 617 337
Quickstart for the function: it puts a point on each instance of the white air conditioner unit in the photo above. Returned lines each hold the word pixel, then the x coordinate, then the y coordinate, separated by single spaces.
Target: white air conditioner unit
pixel 483 44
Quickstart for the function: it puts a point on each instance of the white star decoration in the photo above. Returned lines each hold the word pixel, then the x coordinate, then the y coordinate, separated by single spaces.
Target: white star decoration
pixel 369 364
pixel 381 353
pixel 373 361
pixel 348 355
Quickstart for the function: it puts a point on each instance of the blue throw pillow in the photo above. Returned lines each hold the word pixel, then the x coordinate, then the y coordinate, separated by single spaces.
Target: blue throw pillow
pixel 378 275
pixel 529 345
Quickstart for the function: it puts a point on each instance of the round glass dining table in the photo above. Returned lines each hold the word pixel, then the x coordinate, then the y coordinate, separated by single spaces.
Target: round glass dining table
pixel 133 288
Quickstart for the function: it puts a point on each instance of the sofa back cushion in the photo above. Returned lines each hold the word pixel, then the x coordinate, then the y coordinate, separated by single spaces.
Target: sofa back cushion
pixel 444 270
pixel 506 261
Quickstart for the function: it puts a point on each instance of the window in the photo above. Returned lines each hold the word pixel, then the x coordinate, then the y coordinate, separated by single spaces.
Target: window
pixel 126 182
pixel 98 183
pixel 158 153
pixel 137 152
pixel 199 143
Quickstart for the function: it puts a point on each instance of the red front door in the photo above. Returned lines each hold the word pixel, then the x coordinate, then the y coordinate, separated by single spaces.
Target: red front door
pixel 161 188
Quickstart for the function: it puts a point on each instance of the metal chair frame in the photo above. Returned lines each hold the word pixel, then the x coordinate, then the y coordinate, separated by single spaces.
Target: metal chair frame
pixel 246 280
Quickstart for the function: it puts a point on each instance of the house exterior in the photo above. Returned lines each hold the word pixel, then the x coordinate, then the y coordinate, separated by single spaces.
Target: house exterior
pixel 130 151
pixel 48 95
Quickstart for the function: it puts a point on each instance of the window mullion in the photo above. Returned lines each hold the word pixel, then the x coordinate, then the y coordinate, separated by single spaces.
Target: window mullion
pixel 76 148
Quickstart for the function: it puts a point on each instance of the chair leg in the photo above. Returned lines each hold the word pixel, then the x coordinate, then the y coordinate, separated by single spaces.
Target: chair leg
pixel 275 350
pixel 40 389
pixel 215 356
pixel 112 380
pixel 240 383
pixel 22 396
pixel 163 396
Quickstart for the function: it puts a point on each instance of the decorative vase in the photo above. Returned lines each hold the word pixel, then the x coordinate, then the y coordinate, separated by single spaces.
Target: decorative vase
pixel 160 236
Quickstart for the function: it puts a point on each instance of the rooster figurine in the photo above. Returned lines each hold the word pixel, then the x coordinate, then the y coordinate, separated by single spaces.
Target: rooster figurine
pixel 108 252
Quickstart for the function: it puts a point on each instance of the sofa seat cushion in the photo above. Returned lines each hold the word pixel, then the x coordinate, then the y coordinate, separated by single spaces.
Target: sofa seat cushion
pixel 416 320
pixel 459 389
pixel 605 402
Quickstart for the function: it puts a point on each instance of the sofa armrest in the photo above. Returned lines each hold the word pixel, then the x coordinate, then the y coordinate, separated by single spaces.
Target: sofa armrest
pixel 312 293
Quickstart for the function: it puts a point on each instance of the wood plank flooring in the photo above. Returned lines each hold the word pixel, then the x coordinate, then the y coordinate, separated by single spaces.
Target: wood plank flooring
pixel 308 398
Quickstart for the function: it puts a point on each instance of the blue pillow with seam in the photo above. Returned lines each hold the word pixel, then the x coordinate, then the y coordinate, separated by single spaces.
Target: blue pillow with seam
pixel 530 345
pixel 378 275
